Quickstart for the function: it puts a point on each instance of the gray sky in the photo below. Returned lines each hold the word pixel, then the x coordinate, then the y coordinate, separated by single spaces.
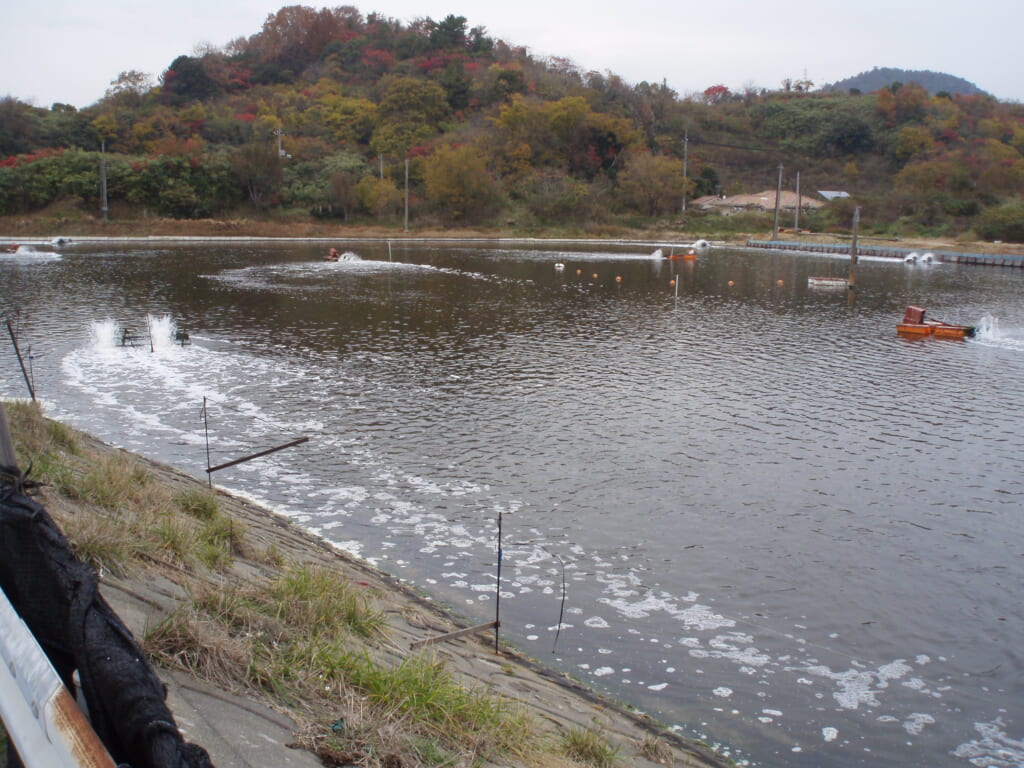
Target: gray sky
pixel 69 51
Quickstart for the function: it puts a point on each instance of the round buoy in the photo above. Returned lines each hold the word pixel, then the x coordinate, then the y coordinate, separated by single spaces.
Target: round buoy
pixel 618 278
pixel 595 275
pixel 671 282
pixel 731 283
pixel 579 271
pixel 779 282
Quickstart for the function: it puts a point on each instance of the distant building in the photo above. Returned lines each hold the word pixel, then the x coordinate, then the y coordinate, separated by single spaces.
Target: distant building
pixel 833 195
pixel 759 201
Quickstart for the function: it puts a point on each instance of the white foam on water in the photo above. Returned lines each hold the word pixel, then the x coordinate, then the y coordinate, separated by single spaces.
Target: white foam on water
pixel 989 331
pixel 26 254
pixel 856 687
pixel 829 734
pixel 916 723
pixel 993 748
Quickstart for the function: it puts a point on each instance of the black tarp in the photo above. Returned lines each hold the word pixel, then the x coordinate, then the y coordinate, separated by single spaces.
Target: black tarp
pixel 58 597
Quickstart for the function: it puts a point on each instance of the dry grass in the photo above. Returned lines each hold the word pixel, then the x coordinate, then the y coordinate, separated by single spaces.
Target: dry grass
pixel 305 639
pixel 112 509
pixel 655 749
pixel 590 747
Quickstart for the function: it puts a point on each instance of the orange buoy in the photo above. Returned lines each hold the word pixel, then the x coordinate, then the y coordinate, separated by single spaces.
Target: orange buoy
pixel 731 283
pixel 579 271
pixel 595 275
pixel 779 282
pixel 671 282
pixel 618 278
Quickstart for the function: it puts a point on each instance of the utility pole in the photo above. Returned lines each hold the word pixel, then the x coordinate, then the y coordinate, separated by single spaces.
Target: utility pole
pixel 778 199
pixel 280 149
pixel 103 177
pixel 799 201
pixel 407 194
pixel 686 145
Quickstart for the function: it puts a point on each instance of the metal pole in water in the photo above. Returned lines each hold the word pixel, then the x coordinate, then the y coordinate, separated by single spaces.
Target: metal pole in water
pixel 206 431
pixel 21 362
pixel 852 281
pixel 497 591
pixel 389 250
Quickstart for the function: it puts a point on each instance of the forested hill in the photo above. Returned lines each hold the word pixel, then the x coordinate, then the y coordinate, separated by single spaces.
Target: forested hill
pixel 933 82
pixel 324 113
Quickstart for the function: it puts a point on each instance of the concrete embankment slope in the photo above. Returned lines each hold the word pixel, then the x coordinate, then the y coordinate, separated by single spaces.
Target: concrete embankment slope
pixel 241 731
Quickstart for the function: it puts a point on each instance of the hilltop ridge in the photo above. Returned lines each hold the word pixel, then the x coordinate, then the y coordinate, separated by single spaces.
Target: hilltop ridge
pixel 882 77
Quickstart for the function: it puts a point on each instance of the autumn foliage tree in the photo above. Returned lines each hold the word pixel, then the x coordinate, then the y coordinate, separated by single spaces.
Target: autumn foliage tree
pixel 494 133
pixel 652 184
pixel 459 185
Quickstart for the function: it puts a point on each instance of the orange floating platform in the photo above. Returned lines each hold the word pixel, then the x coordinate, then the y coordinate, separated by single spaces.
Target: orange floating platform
pixel 914 324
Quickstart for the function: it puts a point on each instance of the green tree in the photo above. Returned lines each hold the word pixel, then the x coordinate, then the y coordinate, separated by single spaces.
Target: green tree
pixel 378 197
pixel 128 88
pixel 552 196
pixel 912 141
pixel 459 185
pixel 1004 222
pixel 449 34
pixel 351 121
pixel 343 192
pixel 651 184
pixel 410 112
pixel 258 168
pixel 186 80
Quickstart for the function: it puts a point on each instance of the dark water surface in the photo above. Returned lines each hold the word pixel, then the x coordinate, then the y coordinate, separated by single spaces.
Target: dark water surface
pixel 780 526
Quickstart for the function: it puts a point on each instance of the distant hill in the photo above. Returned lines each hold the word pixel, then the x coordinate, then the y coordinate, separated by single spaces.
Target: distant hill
pixel 880 77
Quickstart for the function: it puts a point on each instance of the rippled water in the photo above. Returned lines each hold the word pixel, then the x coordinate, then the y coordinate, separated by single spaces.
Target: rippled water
pixel 777 525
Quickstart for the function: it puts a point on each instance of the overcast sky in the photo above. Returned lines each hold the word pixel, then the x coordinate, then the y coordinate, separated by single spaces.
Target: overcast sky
pixel 69 51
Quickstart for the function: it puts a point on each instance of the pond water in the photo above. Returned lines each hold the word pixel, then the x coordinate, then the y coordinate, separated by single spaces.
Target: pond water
pixel 737 503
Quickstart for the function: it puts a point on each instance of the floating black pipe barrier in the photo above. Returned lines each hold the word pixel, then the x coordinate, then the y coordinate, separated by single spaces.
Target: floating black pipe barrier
pixel 883 251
